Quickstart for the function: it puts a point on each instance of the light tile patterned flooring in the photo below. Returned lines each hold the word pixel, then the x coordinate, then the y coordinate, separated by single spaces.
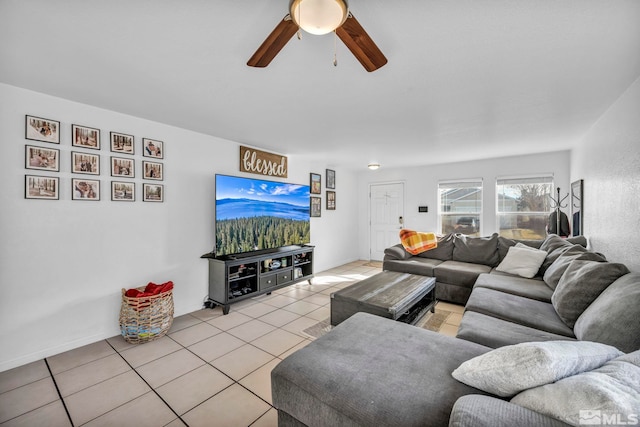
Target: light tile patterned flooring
pixel 210 369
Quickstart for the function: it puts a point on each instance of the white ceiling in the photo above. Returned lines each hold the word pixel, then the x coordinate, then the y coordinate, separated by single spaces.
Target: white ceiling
pixel 465 80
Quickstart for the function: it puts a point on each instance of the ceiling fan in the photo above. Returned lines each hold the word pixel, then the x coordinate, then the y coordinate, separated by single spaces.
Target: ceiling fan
pixel 321 17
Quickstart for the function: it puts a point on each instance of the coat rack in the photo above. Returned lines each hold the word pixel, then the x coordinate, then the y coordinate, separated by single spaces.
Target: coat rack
pixel 556 204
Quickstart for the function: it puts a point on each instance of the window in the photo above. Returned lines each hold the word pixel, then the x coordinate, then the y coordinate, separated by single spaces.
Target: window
pixel 524 205
pixel 460 207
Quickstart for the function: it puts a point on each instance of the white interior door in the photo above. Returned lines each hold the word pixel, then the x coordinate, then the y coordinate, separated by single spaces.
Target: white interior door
pixel 386 213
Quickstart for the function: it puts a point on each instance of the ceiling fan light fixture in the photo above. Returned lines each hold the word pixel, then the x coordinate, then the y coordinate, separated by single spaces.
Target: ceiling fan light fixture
pixel 319 16
pixel 373 166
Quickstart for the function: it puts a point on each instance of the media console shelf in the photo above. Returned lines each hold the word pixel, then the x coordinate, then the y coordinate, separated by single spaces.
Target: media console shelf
pixel 233 278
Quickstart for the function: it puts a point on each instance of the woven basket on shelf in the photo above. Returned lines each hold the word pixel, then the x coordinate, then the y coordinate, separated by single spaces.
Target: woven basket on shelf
pixel 147 318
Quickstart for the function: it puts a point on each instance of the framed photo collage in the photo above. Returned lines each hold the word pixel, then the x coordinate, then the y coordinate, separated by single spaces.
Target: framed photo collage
pixel 315 183
pixel 86 166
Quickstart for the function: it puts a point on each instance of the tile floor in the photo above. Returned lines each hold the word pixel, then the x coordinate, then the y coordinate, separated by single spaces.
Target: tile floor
pixel 209 370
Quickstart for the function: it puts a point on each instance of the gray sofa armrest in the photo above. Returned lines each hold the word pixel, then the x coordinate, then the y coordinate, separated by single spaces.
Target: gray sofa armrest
pixel 397 252
pixel 475 410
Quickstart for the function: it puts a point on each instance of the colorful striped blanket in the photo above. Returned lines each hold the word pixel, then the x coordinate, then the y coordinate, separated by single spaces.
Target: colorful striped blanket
pixel 416 242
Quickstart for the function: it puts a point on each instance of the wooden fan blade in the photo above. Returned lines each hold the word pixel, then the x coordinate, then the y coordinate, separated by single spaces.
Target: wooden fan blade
pixel 360 44
pixel 273 43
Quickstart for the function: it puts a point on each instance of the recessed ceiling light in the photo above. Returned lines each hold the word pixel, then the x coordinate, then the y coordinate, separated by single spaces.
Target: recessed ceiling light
pixel 373 166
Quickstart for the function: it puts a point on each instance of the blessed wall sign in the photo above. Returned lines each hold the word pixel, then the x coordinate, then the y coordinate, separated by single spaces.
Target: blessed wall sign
pixel 262 163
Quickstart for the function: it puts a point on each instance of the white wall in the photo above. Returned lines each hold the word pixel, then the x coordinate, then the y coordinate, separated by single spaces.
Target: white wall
pixel 63 263
pixel 608 159
pixel 421 187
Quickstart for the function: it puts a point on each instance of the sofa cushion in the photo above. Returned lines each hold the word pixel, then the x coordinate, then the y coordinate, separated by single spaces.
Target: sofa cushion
pixel 452 293
pixel 397 252
pixel 530 288
pixel 522 260
pixel 606 395
pixel 415 265
pixel 504 244
pixel 581 284
pixel 475 410
pixel 613 317
pixel 494 332
pixel 517 309
pixel 555 246
pixel 476 250
pixel 373 371
pixel 553 242
pixel 555 271
pixel 508 370
pixel 459 273
pixel 577 240
pixel 443 252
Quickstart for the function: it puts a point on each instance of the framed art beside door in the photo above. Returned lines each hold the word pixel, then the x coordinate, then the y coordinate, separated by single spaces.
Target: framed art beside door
pixel 316 206
pixel 576 207
pixel 331 200
pixel 331 179
pixel 315 181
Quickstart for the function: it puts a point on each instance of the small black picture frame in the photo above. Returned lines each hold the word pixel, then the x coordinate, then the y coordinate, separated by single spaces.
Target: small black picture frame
pixel 42 158
pixel 331 200
pixel 331 179
pixel 315 181
pixel 86 163
pixel 316 206
pixel 122 143
pixel 39 129
pixel 152 192
pixel 41 187
pixel 123 167
pixel 152 148
pixel 85 189
pixel 152 170
pixel 85 137
pixel 123 191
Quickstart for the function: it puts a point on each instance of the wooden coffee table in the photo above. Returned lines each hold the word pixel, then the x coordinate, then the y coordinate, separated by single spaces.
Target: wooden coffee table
pixel 398 296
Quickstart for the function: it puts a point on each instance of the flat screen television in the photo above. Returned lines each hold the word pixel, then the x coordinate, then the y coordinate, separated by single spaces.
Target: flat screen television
pixel 255 214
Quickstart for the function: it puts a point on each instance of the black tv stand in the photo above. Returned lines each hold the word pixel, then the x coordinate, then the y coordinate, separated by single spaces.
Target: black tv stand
pixel 236 277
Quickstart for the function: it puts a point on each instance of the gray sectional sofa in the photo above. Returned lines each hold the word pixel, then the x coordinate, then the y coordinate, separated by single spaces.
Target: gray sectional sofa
pixel 458 261
pixel 374 371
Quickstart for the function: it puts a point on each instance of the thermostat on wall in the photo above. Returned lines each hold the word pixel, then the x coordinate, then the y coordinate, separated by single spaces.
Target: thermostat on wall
pixel 423 208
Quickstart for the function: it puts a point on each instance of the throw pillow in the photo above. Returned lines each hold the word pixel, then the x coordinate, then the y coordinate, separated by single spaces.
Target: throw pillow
pixel 508 370
pixel 581 284
pixel 578 240
pixel 613 317
pixel 607 395
pixel 559 266
pixel 553 242
pixel 555 246
pixel 416 242
pixel 504 244
pixel 443 252
pixel 522 260
pixel 476 250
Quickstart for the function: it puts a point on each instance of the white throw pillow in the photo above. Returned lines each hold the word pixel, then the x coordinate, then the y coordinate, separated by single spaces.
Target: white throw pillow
pixel 508 370
pixel 607 395
pixel 522 260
